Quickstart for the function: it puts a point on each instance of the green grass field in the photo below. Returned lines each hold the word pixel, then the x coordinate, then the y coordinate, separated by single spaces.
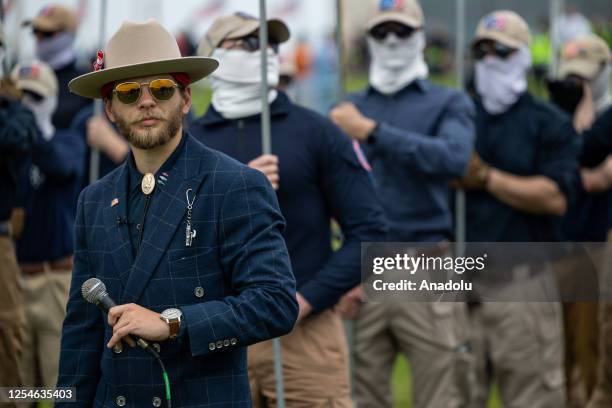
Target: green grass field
pixel 402 386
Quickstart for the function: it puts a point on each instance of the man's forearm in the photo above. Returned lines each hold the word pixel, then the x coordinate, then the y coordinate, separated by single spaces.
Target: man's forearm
pixel 532 194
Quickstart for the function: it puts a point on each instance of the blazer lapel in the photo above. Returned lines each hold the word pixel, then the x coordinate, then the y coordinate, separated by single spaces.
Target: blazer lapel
pixel 115 213
pixel 167 210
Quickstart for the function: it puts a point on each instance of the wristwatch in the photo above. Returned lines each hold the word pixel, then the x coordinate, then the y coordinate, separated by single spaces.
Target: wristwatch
pixel 173 318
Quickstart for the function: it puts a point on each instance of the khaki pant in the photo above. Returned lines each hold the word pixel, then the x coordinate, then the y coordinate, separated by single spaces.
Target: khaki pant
pixel 11 317
pixel 523 342
pixel 434 338
pixel 602 397
pixel 45 298
pixel 581 351
pixel 315 366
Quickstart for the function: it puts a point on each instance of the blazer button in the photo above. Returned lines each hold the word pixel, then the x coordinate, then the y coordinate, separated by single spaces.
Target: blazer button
pixel 118 348
pixel 198 292
pixel 157 347
pixel 219 344
pixel 226 343
pixel 120 400
pixel 211 346
pixel 156 402
pixel 233 341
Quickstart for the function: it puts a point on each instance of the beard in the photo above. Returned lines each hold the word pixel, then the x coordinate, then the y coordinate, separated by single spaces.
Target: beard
pixel 150 138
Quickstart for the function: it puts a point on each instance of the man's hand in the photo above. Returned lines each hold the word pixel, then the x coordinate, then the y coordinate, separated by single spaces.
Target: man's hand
pixel 599 179
pixel 133 319
pixel 102 136
pixel 352 122
pixel 305 307
pixel 476 176
pixel 585 112
pixel 350 303
pixel 268 165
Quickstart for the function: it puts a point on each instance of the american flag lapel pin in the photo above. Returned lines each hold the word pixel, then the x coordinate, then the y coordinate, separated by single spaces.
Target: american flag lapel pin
pixel 114 202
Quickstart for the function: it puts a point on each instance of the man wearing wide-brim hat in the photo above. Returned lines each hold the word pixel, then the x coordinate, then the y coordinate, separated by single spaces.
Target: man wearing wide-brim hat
pixel 186 241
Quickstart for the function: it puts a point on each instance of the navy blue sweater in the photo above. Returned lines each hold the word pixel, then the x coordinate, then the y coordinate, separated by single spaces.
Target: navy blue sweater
pixel 320 178
pixel 531 138
pixel 423 140
pixel 17 132
pixel 48 191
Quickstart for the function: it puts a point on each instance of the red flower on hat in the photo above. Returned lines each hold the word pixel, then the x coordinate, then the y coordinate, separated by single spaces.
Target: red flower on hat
pixel 99 63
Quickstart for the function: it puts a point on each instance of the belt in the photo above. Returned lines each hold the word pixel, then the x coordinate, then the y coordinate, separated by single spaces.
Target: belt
pixel 36 268
pixel 5 228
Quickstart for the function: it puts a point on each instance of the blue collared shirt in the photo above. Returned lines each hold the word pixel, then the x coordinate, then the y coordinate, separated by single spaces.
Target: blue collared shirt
pixel 424 138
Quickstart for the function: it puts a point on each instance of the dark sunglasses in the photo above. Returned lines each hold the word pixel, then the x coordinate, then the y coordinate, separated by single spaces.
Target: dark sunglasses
pixel 485 48
pixel 381 31
pixel 129 92
pixel 35 96
pixel 251 43
pixel 43 34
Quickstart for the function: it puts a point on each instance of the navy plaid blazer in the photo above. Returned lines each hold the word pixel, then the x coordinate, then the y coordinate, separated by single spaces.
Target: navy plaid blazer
pixel 234 285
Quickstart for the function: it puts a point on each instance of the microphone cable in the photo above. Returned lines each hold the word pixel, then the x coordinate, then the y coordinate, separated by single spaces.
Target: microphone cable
pixel 155 354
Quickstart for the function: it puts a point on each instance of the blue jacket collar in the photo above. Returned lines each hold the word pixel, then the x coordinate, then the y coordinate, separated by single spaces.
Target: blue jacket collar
pixel 280 106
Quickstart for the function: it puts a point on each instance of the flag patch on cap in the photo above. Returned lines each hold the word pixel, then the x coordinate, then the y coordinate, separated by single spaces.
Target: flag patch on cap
pixel 495 22
pixel 245 16
pixel 573 50
pixel 46 11
pixel 29 71
pixel 386 5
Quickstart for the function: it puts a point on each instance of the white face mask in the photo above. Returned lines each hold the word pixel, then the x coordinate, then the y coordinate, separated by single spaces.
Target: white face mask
pixel 236 84
pixel 43 111
pixel 57 51
pixel 396 62
pixel 500 82
pixel 600 86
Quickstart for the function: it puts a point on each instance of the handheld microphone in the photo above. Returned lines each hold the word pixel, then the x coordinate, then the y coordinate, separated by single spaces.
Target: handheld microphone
pixel 94 291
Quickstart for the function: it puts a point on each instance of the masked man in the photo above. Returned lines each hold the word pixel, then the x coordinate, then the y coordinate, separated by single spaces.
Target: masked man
pixel 48 190
pixel 18 130
pixel 417 136
pixel 586 62
pixel 317 176
pixel 186 240
pixel 520 181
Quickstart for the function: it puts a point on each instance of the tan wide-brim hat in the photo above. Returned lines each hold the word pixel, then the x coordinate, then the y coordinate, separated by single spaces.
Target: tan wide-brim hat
pixel 54 18
pixel 239 25
pixel 407 12
pixel 37 77
pixel 505 27
pixel 140 49
pixel 584 56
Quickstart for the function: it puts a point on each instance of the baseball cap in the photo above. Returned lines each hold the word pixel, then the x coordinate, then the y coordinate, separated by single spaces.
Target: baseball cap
pixel 407 12
pixel 505 27
pixel 238 25
pixel 37 77
pixel 584 56
pixel 53 18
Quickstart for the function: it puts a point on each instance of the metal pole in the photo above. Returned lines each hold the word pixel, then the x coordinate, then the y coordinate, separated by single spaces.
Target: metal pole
pixel 266 147
pixel 555 11
pixel 460 67
pixel 341 51
pixel 94 158
pixel 265 105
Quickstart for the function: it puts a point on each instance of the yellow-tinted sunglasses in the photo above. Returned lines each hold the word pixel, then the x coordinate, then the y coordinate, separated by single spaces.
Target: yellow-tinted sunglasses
pixel 160 89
